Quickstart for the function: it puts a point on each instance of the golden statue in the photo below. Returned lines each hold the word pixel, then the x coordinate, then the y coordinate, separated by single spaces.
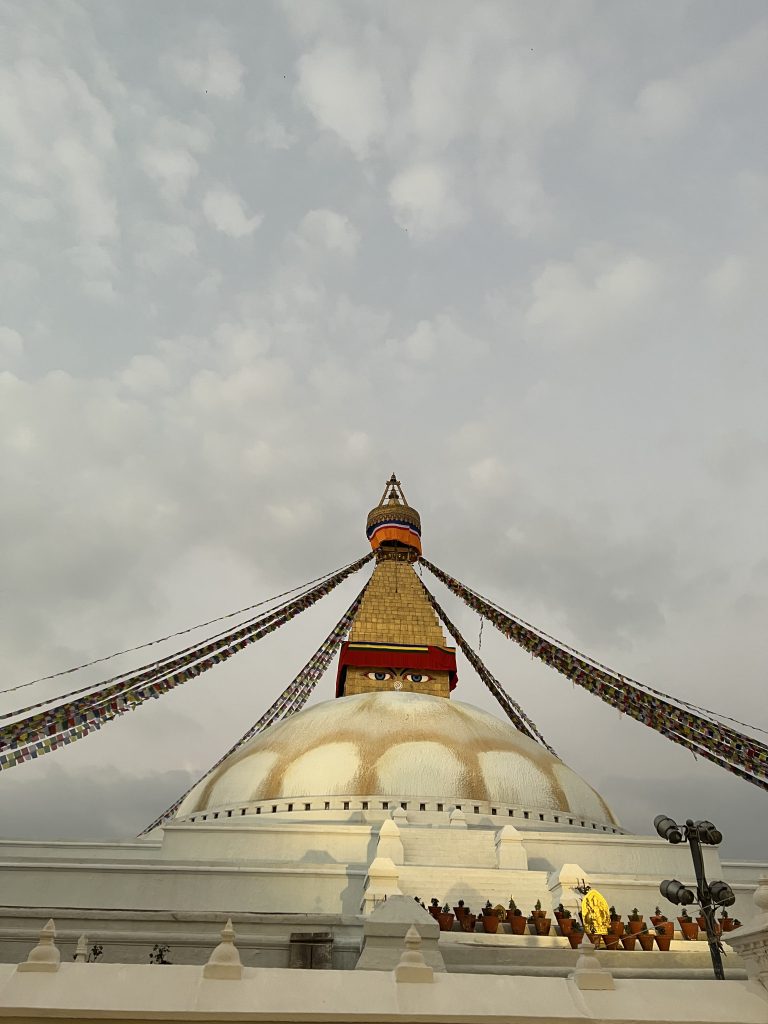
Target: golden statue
pixel 595 913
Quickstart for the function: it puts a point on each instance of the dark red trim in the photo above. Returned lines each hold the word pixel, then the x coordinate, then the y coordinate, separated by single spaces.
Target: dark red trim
pixel 359 656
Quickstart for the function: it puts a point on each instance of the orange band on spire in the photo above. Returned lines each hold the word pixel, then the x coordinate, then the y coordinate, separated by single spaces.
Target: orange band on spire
pixel 397 533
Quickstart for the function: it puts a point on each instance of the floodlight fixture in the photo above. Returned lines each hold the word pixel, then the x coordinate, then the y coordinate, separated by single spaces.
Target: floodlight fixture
pixel 721 894
pixel 708 834
pixel 668 829
pixel 676 892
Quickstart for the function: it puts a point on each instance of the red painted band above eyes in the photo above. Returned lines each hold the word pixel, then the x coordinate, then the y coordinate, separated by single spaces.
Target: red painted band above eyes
pixel 415 659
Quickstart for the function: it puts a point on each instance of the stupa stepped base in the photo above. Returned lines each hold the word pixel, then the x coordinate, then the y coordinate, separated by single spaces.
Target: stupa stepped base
pixel 552 956
pixel 456 848
pixel 476 885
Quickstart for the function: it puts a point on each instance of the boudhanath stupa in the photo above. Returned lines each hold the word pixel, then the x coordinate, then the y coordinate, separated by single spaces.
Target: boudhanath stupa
pixel 339 862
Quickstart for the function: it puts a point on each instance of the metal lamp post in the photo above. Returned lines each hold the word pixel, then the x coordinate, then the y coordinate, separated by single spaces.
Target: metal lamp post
pixel 709 895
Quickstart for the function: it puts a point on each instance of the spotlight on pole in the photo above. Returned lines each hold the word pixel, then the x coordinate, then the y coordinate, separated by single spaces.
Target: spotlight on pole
pixel 721 894
pixel 676 892
pixel 708 834
pixel 709 895
pixel 668 829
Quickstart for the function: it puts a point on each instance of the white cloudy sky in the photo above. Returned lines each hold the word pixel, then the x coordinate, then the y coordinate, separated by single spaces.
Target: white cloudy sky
pixel 257 256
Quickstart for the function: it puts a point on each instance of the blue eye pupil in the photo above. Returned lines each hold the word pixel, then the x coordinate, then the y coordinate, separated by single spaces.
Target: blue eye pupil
pixel 416 677
pixel 380 676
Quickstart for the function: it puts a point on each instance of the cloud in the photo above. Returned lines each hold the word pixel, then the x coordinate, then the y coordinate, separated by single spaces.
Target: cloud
pixel 213 392
pixel 238 343
pixel 172 168
pixel 421 343
pixel 194 134
pixel 668 106
pixel 345 95
pixel 514 189
pixel 225 211
pixel 358 444
pixel 326 231
pixel 664 107
pixel 96 267
pixel 30 209
pixel 424 200
pixel 273 134
pixel 61 139
pixel 145 374
pixel 110 804
pixel 216 71
pixel 164 246
pixel 487 472
pixel 583 301
pixel 16 276
pixel 11 344
pixel 438 102
pixel 96 208
pixel 442 340
pixel 726 282
pixel 533 97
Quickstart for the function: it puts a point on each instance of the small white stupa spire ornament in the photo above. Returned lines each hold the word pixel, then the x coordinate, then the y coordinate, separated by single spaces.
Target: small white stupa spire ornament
pixel 45 956
pixel 81 951
pixel 224 962
pixel 412 966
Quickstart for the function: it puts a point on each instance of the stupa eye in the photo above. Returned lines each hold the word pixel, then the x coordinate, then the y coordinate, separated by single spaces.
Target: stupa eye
pixel 417 677
pixel 380 677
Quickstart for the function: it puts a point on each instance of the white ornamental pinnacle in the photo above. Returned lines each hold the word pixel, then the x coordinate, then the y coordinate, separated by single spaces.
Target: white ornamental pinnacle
pixel 224 963
pixel 81 953
pixel 390 844
pixel 412 966
pixel 589 974
pixel 45 956
pixel 458 818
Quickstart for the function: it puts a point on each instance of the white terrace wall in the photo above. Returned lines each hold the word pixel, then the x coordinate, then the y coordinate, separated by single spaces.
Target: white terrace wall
pixel 297 867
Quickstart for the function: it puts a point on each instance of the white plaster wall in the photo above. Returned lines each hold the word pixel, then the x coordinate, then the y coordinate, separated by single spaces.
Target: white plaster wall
pixel 626 854
pixel 330 888
pixel 128 936
pixel 14 849
pixel 319 868
pixel 252 840
pixel 99 992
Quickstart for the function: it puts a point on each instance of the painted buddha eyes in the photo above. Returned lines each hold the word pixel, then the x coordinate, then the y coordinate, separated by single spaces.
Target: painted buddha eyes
pixel 410 677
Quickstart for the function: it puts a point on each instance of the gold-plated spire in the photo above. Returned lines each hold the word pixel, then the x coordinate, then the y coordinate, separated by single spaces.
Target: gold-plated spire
pixel 396 641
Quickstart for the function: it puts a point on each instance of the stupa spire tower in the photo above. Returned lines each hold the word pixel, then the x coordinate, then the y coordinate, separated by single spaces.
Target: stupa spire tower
pixel 393 527
pixel 395 642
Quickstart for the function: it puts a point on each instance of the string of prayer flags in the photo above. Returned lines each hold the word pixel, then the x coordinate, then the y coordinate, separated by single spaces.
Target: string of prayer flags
pixel 738 753
pixel 290 702
pixel 38 734
pixel 511 708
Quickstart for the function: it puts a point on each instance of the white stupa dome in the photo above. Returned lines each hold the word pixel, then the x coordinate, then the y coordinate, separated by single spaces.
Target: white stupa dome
pixel 378 750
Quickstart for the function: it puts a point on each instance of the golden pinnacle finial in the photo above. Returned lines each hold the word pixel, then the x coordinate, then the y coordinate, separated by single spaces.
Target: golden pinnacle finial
pixel 393 492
